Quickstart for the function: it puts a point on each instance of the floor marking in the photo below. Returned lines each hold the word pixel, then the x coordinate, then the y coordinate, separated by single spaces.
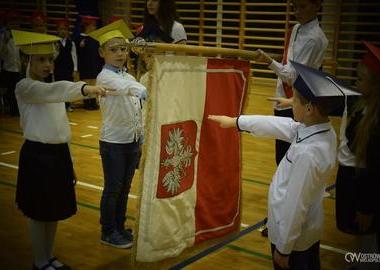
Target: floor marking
pixel 8 153
pixel 132 196
pixel 80 183
pixel 87 135
pixel 336 250
pixel 8 165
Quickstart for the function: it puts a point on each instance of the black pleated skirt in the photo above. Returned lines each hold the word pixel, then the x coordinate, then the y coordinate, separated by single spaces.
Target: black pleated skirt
pixel 45 182
pixel 347 200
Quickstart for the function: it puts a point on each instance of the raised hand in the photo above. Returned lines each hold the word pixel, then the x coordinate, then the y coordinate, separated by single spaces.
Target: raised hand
pixel 263 57
pixel 281 102
pixel 223 121
pixel 96 90
pixel 139 92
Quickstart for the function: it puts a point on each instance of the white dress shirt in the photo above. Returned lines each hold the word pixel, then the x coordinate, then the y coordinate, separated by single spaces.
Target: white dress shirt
pixel 345 156
pixel 295 209
pixel 42 109
pixel 178 32
pixel 73 52
pixel 307 45
pixel 122 120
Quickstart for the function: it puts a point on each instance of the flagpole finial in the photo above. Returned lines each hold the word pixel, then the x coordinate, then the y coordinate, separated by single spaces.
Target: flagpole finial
pixel 138 45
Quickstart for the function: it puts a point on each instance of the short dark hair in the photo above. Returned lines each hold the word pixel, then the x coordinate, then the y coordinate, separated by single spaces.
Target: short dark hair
pixel 323 109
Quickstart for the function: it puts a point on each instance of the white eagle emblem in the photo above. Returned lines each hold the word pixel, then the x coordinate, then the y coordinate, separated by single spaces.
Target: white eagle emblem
pixel 179 159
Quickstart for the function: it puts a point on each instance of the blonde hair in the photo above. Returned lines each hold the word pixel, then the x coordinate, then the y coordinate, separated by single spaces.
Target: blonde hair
pixel 370 120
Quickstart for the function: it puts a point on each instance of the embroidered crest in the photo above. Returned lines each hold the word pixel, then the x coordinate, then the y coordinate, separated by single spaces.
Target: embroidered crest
pixel 177 158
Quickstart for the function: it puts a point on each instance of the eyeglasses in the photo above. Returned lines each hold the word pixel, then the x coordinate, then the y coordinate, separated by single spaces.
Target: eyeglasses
pixel 115 49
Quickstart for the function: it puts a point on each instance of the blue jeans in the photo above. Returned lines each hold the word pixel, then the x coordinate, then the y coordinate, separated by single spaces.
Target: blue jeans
pixel 119 164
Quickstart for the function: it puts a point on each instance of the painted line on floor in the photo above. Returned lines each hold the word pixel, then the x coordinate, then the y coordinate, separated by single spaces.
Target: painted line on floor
pixel 86 136
pixel 79 183
pixel 230 246
pixel 216 247
pixel 8 165
pixel 97 148
pixel 333 249
pixel 87 205
pixel 8 153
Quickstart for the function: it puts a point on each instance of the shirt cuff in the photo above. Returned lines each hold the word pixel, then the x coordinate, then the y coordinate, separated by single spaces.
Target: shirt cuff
pixel 276 66
pixel 242 123
pixel 237 123
pixel 283 253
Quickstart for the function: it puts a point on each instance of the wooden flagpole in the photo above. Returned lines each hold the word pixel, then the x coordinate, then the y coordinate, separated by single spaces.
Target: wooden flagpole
pixel 150 47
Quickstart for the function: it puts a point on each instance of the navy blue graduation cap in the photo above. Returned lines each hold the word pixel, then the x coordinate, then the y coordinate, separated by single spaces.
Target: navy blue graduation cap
pixel 322 88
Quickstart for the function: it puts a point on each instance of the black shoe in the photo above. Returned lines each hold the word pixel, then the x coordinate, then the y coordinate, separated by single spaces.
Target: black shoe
pixel 264 232
pixel 46 266
pixel 115 239
pixel 127 233
pixel 63 267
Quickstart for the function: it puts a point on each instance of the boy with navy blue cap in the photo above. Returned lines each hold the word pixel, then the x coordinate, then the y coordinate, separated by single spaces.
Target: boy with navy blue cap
pixel 295 210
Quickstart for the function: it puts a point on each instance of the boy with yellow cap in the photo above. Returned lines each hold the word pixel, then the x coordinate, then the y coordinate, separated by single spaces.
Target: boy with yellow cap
pixel 45 182
pixel 121 133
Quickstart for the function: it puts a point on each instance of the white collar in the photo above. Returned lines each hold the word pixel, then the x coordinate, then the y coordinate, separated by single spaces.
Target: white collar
pixel 305 132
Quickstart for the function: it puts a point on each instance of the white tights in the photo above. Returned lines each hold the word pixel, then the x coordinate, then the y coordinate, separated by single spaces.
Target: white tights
pixel 43 235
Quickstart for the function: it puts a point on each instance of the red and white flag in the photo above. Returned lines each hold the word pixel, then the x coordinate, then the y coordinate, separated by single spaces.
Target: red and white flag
pixel 191 179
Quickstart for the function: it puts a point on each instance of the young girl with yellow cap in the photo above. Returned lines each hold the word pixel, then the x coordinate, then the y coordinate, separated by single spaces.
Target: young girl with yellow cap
pixel 45 182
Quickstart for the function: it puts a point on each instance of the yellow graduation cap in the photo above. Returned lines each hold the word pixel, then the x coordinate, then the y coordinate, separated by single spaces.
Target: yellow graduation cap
pixel 117 29
pixel 35 43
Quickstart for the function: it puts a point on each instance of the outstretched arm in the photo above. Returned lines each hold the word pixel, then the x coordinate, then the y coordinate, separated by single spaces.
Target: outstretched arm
pixel 224 121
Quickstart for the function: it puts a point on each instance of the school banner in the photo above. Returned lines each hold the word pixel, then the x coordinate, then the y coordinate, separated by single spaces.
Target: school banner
pixel 191 188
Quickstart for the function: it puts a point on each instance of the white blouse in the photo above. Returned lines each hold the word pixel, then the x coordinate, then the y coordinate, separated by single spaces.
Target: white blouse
pixel 43 115
pixel 178 32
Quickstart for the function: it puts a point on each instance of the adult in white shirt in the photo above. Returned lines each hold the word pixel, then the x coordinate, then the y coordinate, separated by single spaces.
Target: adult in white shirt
pixel 306 45
pixel 160 23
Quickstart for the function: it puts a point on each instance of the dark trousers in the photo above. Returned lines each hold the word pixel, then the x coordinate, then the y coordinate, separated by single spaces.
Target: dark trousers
pixel 90 104
pixel 302 260
pixel 281 146
pixel 10 79
pixel 119 164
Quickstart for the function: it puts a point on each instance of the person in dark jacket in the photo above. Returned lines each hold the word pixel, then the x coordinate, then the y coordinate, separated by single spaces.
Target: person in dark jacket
pixel 89 61
pixel 66 63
